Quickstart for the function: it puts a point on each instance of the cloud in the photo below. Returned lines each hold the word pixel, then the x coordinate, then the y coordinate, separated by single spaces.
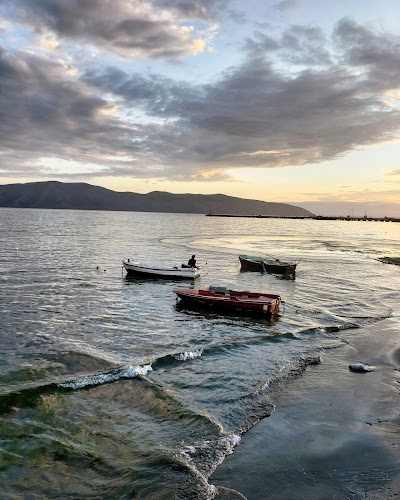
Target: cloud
pixel 46 111
pixel 394 172
pixel 305 117
pixel 305 45
pixel 264 112
pixel 134 29
pixel 260 44
pixel 355 195
pixel 197 9
pixel 373 202
pixel 374 54
pixel 48 43
pixel 286 5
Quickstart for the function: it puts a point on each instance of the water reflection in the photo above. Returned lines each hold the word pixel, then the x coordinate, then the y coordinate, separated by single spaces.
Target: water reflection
pixel 171 282
pixel 279 276
pixel 203 311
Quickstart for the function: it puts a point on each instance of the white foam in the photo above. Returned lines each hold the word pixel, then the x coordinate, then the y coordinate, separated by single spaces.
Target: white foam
pixel 129 371
pixel 184 356
pixel 230 442
pixel 187 451
pixel 226 447
pixel 218 450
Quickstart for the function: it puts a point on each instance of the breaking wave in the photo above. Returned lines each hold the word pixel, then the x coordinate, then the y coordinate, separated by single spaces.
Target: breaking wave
pixel 184 356
pixel 125 372
pixel 207 454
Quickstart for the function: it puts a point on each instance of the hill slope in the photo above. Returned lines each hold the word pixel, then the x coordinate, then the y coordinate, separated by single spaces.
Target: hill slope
pixel 81 196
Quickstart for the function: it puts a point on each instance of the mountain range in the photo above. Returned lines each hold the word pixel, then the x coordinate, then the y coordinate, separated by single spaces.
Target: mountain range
pixel 82 196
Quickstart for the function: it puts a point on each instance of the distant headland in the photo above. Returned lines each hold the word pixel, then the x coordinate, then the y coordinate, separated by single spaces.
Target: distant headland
pixel 82 196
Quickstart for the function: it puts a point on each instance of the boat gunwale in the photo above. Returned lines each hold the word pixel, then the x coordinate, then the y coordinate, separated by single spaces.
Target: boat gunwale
pixel 266 303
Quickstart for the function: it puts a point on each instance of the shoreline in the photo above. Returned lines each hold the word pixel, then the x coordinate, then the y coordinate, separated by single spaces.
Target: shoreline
pixel 333 434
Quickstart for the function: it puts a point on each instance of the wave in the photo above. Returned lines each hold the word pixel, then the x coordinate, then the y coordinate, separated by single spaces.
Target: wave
pixel 259 404
pixel 207 454
pixel 357 322
pixel 25 398
pixel 367 320
pixel 28 396
pixel 327 329
pixel 184 356
pixel 199 458
pixel 217 348
pixel 130 371
pixel 203 456
pixel 171 359
pixel 125 372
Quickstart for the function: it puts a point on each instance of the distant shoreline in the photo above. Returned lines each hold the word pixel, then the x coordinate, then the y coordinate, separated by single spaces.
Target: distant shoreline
pixel 316 217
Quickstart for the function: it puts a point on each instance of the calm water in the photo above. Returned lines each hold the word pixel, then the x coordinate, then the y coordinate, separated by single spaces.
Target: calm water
pixel 110 390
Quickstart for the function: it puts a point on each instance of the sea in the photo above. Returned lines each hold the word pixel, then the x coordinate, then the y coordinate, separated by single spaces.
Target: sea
pixel 110 388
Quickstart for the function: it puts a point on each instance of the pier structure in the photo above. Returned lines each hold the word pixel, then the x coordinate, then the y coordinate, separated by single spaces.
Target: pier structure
pixel 315 217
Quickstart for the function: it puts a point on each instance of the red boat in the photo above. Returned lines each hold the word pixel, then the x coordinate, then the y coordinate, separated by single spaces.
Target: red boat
pixel 215 296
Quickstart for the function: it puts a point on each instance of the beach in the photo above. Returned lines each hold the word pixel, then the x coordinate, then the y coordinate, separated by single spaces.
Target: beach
pixel 334 433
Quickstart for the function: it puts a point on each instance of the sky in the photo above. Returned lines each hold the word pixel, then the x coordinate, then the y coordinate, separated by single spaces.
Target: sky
pixel 292 101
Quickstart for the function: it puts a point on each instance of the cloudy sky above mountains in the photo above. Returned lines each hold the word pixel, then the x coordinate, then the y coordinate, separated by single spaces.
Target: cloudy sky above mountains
pixel 291 101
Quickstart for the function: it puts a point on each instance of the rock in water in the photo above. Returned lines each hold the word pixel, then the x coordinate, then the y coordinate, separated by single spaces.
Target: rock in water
pixel 360 368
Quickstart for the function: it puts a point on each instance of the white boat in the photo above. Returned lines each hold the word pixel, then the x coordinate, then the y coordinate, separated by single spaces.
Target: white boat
pixel 135 268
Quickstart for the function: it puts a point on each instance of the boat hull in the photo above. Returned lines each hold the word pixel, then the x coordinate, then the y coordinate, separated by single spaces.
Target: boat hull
pixel 175 273
pixel 231 300
pixel 266 266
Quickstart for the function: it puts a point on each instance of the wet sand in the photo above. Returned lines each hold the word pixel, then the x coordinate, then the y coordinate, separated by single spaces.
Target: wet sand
pixel 334 433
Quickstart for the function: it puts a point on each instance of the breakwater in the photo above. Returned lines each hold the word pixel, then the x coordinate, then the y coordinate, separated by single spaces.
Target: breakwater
pixel 316 217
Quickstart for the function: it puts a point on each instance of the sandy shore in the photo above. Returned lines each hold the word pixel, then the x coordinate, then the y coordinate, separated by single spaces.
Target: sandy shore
pixel 334 433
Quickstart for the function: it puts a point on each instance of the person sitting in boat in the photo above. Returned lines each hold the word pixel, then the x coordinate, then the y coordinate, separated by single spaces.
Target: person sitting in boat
pixel 192 261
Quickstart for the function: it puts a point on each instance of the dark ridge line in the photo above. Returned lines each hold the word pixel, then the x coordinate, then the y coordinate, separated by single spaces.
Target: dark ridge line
pixel 83 196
